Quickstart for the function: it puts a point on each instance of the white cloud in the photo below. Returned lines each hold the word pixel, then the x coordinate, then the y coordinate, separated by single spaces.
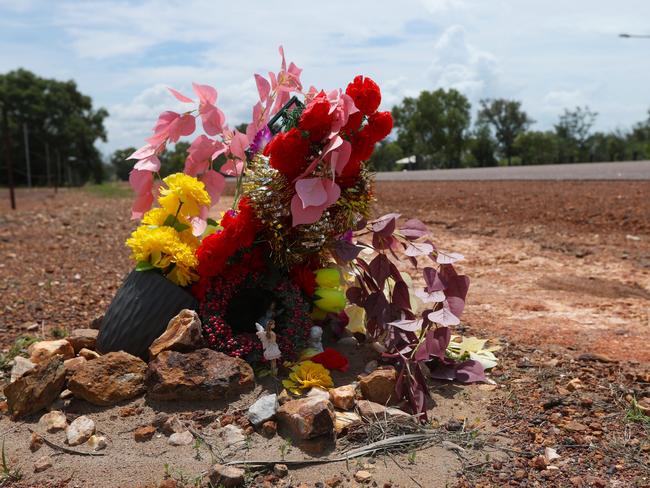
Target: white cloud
pixel 440 6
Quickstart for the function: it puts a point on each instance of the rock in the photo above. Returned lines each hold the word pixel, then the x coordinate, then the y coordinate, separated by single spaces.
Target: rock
pixel 600 358
pixel 159 419
pixel 172 425
pixel 183 334
pixel 37 389
pixel 263 409
pixel 269 428
pixel 539 462
pixel 280 470
pixel 42 352
pixel 35 442
pixel 574 426
pixel 226 476
pixel 21 366
pixel 574 384
pixel 373 411
pixel 73 364
pixel 144 433
pixel 83 339
pixel 66 395
pixel 344 420
pixel 232 436
pixel 88 354
pixel 79 430
pixel 334 482
pixel 97 442
pixel 551 455
pixel 284 397
pixel 362 476
pixel 344 397
pixel 644 405
pixel 168 483
pixel 129 411
pixel 184 438
pixel 318 393
pixel 53 421
pixel 379 386
pixel 307 417
pixel 201 375
pixel 42 464
pixel 109 379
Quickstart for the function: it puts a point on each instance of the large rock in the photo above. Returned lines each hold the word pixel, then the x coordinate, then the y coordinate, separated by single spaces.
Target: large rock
pixel 109 379
pixel 21 366
pixel 83 339
pixel 183 334
pixel 42 352
pixel 379 386
pixel 307 417
pixel 227 476
pixel 79 430
pixel 37 389
pixel 343 397
pixel 201 375
pixel 73 364
pixel 263 409
pixel 372 411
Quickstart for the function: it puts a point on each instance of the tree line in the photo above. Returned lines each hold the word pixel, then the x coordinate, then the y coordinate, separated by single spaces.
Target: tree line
pixel 48 131
pixel 56 126
pixel 436 128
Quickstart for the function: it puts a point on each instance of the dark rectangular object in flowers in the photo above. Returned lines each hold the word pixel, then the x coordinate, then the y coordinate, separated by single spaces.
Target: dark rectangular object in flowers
pixel 140 312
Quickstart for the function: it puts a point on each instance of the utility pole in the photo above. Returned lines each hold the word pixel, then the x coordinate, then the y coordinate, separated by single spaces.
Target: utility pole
pixel 27 162
pixel 47 164
pixel 7 148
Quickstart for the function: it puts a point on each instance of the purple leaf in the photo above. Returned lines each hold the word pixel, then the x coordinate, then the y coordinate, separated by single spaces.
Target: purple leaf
pixel 346 251
pixel 401 296
pixel 448 258
pixel 432 279
pixel 456 287
pixel 354 295
pixel 380 269
pixel 434 297
pixel 381 242
pixel 385 225
pixel 414 228
pixel 444 316
pixel 418 249
pixel 437 341
pixel 375 306
pixel 470 371
pixel 408 325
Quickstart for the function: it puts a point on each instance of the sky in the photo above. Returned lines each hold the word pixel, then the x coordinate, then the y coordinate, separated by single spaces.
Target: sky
pixel 549 54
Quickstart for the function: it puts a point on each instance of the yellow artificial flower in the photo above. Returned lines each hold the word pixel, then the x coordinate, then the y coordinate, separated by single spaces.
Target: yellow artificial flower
pixel 330 299
pixel 307 374
pixel 183 189
pixel 328 278
pixel 161 247
pixel 356 319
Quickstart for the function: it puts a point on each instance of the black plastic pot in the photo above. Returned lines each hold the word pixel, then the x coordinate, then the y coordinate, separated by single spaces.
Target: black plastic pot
pixel 140 312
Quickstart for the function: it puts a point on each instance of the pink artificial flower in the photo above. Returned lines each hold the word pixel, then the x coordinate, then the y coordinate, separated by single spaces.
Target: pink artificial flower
pixel 170 127
pixel 313 196
pixel 142 184
pixel 212 118
pixel 147 159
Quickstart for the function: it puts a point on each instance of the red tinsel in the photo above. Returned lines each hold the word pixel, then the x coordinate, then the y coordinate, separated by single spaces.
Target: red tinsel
pixel 288 153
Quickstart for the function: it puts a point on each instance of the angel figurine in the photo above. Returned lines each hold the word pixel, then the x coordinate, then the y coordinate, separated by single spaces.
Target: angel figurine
pixel 316 338
pixel 269 345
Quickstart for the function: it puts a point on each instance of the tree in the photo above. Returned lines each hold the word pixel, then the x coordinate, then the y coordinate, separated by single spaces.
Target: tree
pixel 537 147
pixel 384 156
pixel 434 125
pixel 61 123
pixel 573 130
pixel 508 121
pixel 482 148
pixel 122 165
pixel 173 161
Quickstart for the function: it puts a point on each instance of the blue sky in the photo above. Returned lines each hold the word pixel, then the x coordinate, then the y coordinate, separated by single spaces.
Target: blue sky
pixel 548 54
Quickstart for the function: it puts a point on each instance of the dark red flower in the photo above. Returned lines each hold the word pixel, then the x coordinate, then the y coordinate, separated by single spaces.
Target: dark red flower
pixel 331 359
pixel 365 93
pixel 380 124
pixel 304 277
pixel 288 153
pixel 316 118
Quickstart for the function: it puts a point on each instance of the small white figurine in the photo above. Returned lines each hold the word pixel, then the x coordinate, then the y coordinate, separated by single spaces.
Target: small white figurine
pixel 269 345
pixel 315 338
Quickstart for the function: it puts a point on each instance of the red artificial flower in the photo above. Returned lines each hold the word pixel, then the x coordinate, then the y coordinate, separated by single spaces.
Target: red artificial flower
pixel 331 359
pixel 365 93
pixel 304 278
pixel 380 124
pixel 353 124
pixel 288 153
pixel 316 118
pixel 362 147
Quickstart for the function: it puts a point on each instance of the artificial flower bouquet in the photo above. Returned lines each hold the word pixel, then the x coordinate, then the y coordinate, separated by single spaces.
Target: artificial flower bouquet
pixel 296 256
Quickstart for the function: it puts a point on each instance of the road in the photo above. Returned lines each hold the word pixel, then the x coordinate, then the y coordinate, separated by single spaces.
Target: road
pixel 625 170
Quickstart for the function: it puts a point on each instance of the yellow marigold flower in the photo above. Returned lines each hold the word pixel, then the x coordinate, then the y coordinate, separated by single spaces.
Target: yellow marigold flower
pixel 182 189
pixel 157 217
pixel 307 374
pixel 162 247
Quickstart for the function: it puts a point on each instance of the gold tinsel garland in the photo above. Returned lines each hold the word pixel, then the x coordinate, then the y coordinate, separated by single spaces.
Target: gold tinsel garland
pixel 270 194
